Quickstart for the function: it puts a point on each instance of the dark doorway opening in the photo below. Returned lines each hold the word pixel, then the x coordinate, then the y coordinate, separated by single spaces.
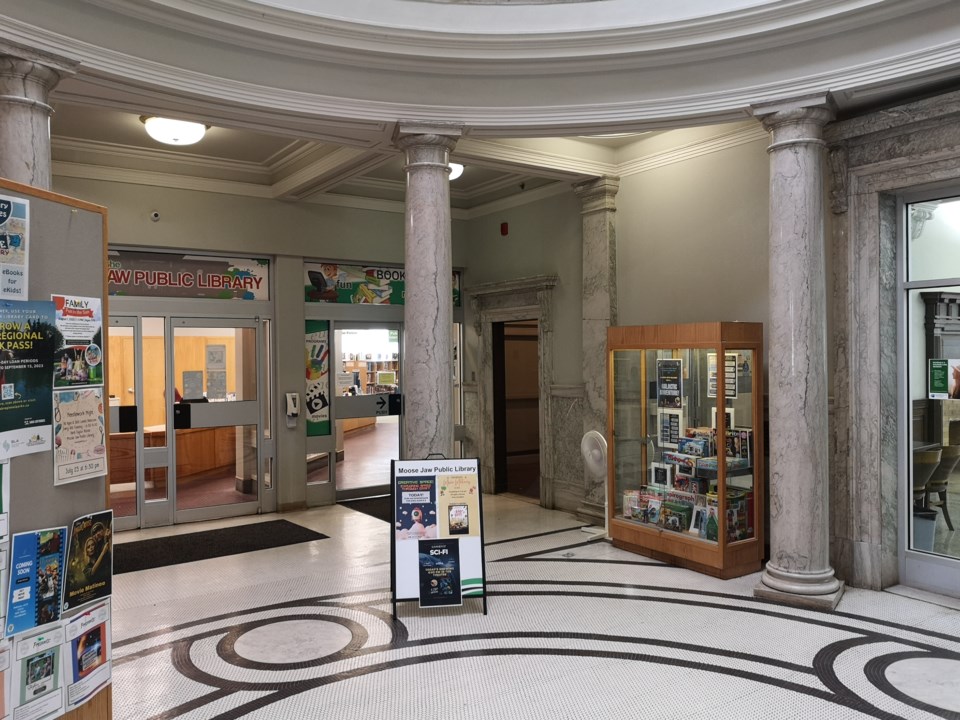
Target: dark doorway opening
pixel 516 362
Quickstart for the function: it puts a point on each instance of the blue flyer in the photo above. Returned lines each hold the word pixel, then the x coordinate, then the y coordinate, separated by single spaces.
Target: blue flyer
pixel 36 579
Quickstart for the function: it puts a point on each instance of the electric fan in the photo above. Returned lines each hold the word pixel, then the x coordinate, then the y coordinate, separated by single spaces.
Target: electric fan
pixel 593 448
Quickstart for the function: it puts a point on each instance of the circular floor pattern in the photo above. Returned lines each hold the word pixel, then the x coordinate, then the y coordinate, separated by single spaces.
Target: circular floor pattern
pixel 932 681
pixel 292 641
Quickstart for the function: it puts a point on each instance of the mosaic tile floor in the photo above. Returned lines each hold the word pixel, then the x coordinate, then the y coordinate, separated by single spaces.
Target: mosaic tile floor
pixel 575 629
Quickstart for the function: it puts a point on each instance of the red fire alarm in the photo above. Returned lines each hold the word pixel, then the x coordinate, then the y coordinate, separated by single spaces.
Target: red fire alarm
pixel 504 230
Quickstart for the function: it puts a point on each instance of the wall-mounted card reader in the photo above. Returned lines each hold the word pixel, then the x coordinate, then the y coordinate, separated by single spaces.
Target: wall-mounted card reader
pixel 293 404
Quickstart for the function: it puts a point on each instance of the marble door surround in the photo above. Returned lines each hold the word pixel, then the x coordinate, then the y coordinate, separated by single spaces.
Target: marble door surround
pixel 428 302
pixel 798 570
pixel 499 302
pixel 875 159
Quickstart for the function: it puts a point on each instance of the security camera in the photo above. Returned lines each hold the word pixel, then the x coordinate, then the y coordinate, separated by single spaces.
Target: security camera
pixel 155 216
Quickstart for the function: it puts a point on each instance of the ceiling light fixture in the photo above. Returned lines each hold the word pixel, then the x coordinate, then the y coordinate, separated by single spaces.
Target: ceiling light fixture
pixel 173 132
pixel 456 170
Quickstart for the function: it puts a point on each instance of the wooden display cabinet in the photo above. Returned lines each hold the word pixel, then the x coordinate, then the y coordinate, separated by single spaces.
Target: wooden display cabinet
pixel 686 471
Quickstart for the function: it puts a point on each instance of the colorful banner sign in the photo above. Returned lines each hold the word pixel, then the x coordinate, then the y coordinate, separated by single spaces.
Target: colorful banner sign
pixel 317 341
pixel 359 284
pixel 147 274
pixel 28 339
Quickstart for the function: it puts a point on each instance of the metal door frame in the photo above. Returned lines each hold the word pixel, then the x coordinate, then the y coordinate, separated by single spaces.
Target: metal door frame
pixel 216 414
pixel 131 522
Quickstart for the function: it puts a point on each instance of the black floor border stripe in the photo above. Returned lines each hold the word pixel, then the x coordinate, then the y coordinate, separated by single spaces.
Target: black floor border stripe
pixel 306 685
pixel 535 556
pixel 319 599
pixel 878 636
pixel 743 598
pixel 535 535
pixel 876 669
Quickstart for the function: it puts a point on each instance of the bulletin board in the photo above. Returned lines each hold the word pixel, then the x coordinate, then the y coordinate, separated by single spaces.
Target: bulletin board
pixel 436 541
pixel 67 257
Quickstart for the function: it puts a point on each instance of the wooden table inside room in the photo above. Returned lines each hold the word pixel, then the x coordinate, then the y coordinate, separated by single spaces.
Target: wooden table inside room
pixel 199 450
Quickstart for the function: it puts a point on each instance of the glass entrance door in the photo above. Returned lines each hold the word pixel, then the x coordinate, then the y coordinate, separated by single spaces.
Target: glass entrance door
pixel 930 288
pixel 216 417
pixel 139 458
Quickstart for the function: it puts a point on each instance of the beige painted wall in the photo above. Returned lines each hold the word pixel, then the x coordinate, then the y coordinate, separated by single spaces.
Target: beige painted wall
pixel 692 240
pixel 543 239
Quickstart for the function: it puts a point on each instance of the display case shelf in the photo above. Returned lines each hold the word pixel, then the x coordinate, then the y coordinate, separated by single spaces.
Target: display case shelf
pixel 686 461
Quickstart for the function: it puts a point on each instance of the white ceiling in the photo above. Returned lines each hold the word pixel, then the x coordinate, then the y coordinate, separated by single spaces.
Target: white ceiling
pixel 303 96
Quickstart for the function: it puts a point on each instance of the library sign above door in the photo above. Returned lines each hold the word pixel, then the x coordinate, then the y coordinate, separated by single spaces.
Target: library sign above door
pixel 147 274
pixel 359 284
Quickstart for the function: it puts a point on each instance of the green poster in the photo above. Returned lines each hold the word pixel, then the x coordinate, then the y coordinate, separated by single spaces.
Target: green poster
pixel 318 377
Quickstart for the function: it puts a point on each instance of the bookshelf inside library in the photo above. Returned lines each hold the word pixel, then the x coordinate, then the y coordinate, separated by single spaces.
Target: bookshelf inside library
pixel 685 465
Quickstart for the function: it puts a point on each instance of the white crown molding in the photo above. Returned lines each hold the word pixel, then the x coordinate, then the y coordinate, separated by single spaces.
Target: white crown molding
pixel 112 152
pixel 281 108
pixel 724 141
pixel 155 179
pixel 597 37
pixel 514 201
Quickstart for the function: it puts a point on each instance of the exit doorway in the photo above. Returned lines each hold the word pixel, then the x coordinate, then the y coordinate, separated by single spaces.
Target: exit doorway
pixel 516 371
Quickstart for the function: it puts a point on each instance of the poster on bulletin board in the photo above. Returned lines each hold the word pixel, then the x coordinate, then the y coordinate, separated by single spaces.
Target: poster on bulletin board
pixel 437 538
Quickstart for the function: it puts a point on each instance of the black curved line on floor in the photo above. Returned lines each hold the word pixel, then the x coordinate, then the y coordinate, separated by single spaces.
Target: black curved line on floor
pixel 824 664
pixel 398 629
pixel 227 649
pixel 732 608
pixel 595 637
pixel 191 705
pixel 876 672
pixel 319 599
pixel 733 596
pixel 535 535
pixel 306 685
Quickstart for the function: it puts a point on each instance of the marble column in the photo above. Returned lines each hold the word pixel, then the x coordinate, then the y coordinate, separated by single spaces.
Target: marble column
pixel 26 80
pixel 798 570
pixel 427 381
pixel 599 290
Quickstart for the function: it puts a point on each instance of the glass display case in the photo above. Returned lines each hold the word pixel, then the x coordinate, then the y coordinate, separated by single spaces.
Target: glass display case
pixel 686 424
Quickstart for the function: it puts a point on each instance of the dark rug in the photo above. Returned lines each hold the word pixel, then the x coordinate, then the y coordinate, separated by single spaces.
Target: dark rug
pixel 378 507
pixel 161 552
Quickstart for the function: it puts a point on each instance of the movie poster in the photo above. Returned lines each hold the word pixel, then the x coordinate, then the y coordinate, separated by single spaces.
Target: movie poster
pixel 36 579
pixel 317 340
pixel 88 653
pixel 79 435
pixel 440 573
pixel 89 560
pixel 37 691
pixel 79 358
pixel 14 248
pixel 28 339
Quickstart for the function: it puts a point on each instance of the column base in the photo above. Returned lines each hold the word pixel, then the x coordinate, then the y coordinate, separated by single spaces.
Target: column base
pixel 814 602
pixel 804 589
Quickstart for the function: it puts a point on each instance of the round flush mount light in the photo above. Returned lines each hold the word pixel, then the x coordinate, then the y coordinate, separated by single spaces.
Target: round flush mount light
pixel 456 170
pixel 173 132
